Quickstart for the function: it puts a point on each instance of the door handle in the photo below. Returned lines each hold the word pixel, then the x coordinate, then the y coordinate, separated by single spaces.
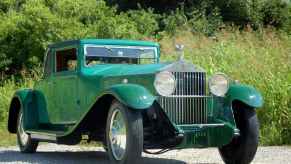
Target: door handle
pixel 51 83
pixel 78 102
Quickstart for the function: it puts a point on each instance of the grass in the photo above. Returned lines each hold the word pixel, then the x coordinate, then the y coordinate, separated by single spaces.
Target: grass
pixel 261 59
pixel 7 139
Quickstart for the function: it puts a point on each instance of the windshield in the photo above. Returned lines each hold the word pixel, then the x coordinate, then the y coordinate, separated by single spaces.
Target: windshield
pixel 119 54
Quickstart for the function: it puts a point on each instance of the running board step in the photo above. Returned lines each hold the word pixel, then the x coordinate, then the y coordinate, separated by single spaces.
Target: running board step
pixel 42 137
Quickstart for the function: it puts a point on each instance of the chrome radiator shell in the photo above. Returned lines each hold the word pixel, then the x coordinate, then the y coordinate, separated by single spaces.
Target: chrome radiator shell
pixel 189 102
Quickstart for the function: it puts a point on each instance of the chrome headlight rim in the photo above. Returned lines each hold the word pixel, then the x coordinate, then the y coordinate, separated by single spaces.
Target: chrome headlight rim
pixel 210 86
pixel 164 90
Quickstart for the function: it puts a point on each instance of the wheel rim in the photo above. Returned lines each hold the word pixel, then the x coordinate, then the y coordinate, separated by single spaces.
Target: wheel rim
pixel 117 134
pixel 23 137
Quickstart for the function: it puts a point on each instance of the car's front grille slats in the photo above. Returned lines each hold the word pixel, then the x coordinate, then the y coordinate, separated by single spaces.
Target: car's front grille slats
pixel 190 83
pixel 188 104
pixel 194 110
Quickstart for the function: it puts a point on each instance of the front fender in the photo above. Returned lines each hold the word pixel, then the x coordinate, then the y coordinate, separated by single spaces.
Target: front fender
pixel 132 95
pixel 25 97
pixel 21 100
pixel 246 94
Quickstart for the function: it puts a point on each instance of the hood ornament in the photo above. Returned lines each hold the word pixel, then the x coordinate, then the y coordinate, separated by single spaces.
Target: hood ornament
pixel 180 51
pixel 181 65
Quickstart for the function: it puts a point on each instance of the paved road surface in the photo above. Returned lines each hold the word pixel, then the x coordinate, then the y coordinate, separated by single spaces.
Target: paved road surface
pixel 57 154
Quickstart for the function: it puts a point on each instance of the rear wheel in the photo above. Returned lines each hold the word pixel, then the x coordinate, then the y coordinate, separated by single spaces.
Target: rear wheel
pixel 124 134
pixel 25 143
pixel 242 149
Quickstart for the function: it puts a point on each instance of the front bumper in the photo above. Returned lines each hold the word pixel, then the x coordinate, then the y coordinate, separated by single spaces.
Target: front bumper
pixel 206 135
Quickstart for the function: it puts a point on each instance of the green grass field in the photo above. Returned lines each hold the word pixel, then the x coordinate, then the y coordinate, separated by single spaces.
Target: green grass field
pixel 261 58
pixel 6 138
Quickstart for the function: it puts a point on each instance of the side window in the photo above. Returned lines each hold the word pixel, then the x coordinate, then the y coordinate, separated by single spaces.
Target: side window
pixel 66 60
pixel 48 63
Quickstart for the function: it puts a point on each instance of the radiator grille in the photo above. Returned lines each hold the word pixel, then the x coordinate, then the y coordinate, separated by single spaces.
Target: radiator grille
pixel 188 104
pixel 190 83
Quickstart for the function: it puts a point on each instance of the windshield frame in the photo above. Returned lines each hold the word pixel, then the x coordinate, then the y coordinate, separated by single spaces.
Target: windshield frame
pixel 155 57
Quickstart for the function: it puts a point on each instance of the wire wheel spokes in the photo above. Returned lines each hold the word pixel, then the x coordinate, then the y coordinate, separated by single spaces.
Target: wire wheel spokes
pixel 117 134
pixel 23 137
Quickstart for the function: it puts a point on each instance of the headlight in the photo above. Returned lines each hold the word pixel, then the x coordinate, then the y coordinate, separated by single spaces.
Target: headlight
pixel 218 84
pixel 165 83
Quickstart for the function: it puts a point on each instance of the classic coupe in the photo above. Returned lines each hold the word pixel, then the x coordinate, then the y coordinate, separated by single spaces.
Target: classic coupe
pixel 117 92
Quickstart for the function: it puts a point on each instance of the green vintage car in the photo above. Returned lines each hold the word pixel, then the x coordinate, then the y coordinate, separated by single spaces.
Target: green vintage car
pixel 118 93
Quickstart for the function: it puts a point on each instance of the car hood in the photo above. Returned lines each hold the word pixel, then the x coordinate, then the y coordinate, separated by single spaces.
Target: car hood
pixel 123 69
pixel 132 69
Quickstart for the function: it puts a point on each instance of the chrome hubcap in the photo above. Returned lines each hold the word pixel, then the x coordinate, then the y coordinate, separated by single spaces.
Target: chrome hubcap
pixel 22 135
pixel 117 134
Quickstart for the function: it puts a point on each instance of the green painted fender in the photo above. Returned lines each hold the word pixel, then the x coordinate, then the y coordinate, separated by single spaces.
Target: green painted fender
pixel 246 94
pixel 132 95
pixel 25 98
pixel 24 95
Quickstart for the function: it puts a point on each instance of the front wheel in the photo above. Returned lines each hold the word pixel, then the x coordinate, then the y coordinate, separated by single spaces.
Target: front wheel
pixel 25 143
pixel 242 149
pixel 124 134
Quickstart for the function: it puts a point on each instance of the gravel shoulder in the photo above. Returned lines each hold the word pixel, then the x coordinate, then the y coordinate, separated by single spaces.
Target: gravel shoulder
pixel 54 154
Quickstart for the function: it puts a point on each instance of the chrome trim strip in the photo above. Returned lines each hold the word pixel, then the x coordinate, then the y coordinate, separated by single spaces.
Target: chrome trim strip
pixel 43 137
pixel 188 96
pixel 201 125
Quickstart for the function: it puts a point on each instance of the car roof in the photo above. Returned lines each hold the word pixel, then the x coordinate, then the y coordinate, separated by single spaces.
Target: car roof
pixel 104 42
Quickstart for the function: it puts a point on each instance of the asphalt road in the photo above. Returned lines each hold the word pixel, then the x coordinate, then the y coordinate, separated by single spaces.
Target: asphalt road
pixel 54 154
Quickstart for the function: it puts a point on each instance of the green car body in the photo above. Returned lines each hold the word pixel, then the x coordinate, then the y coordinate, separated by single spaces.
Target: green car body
pixel 65 105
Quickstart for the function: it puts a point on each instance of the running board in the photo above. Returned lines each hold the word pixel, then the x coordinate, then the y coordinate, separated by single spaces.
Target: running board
pixel 43 137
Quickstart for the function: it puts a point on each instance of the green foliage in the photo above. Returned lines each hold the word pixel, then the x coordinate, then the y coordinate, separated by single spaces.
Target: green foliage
pixel 26 32
pixel 277 13
pixel 162 5
pixel 198 19
pixel 175 20
pixel 237 11
pixel 240 12
pixel 146 21
pixel 204 21
pixel 256 13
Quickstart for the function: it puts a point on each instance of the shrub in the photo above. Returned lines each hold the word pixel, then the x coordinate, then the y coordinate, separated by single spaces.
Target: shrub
pixel 146 21
pixel 200 20
pixel 205 22
pixel 277 13
pixel 25 32
pixel 173 21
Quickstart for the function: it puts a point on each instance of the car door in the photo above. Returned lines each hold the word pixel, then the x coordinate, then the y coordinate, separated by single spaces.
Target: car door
pixel 43 88
pixel 65 90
